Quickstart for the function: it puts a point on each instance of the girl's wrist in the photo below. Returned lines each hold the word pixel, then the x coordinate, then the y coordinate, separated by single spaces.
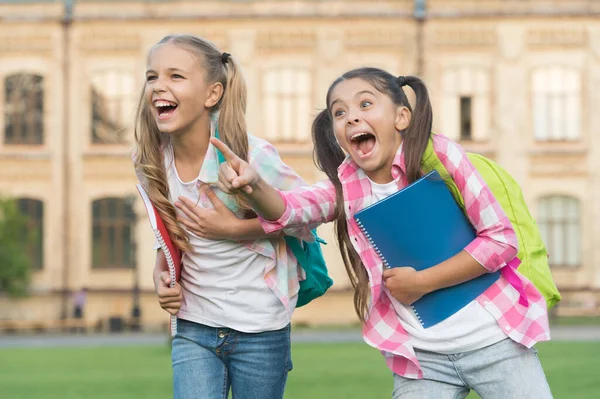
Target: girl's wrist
pixel 258 186
pixel 234 230
pixel 426 281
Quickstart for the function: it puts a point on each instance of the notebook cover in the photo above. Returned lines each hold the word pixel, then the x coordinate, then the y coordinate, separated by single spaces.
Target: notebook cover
pixel 421 226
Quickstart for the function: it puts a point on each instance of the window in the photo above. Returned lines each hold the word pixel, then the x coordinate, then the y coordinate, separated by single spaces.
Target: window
pixel 465 112
pixel 556 104
pixel 287 107
pixel 113 106
pixel 33 210
pixel 559 222
pixel 112 233
pixel 465 118
pixel 24 109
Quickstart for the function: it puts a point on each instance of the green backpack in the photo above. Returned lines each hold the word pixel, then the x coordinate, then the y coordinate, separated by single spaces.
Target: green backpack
pixel 532 251
pixel 310 256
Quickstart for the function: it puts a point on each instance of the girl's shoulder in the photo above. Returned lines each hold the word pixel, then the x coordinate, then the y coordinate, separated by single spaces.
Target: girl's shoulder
pixel 447 148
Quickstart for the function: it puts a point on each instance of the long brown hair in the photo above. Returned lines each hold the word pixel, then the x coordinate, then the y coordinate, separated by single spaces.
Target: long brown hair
pixel 150 142
pixel 328 156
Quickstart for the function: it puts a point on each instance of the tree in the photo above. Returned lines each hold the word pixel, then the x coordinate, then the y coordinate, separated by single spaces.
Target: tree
pixel 15 264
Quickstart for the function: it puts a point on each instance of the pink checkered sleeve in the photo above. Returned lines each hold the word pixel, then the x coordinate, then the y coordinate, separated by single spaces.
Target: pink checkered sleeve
pixel 305 206
pixel 496 242
pixel 274 171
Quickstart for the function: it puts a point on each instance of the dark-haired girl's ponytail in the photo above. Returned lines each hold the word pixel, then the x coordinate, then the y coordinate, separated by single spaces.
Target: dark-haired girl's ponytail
pixel 327 154
pixel 417 134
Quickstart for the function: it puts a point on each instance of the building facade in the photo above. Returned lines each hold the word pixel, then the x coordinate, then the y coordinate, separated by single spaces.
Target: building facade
pixel 517 81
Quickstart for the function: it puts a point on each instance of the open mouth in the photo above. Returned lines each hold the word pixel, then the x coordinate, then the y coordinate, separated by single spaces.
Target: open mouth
pixel 363 144
pixel 165 109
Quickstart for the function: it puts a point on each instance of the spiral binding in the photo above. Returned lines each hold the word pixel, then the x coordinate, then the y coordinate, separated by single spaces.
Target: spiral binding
pixel 377 251
pixel 385 262
pixel 417 315
pixel 172 275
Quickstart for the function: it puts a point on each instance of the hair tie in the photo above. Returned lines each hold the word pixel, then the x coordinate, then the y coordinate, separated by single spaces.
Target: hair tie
pixel 401 81
pixel 225 57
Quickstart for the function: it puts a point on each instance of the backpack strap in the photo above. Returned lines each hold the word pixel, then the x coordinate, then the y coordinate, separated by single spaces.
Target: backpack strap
pixel 431 161
pixel 297 249
pixel 220 155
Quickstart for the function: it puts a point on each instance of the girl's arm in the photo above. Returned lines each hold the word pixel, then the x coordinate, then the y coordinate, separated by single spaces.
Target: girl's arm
pixel 494 246
pixel 305 205
pixel 496 242
pixel 168 298
pixel 237 176
pixel 407 285
pixel 219 222
pixel 266 161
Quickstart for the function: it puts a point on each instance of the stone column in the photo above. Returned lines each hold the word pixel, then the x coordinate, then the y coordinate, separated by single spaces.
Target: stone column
pixel 512 104
pixel 591 88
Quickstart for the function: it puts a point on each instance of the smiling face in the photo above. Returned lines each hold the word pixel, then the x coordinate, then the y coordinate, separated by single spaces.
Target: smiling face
pixel 367 125
pixel 176 89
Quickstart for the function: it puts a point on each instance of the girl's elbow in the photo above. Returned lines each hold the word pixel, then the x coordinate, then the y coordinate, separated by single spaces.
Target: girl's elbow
pixel 508 250
pixel 506 241
pixel 512 251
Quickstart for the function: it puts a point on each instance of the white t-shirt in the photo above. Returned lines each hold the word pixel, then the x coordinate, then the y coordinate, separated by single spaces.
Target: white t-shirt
pixel 470 328
pixel 223 281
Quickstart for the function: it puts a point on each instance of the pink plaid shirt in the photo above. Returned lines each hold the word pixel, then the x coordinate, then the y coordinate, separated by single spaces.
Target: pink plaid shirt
pixel 525 322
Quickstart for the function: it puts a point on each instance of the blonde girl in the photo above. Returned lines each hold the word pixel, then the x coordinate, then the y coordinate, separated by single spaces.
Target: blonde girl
pixel 238 285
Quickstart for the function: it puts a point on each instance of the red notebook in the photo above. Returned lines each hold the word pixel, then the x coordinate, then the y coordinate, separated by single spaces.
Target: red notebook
pixel 172 253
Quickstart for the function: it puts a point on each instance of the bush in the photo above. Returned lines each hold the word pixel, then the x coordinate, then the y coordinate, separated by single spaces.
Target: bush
pixel 15 264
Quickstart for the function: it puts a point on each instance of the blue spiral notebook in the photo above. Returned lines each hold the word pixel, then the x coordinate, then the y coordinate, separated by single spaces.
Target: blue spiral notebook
pixel 422 226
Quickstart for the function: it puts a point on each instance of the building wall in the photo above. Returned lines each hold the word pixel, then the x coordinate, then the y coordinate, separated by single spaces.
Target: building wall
pixel 488 50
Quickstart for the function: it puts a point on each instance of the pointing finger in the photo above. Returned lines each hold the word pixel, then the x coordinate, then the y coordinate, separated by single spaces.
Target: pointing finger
pixel 229 155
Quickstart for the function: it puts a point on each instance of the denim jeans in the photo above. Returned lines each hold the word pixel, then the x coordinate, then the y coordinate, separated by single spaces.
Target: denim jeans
pixel 504 370
pixel 208 362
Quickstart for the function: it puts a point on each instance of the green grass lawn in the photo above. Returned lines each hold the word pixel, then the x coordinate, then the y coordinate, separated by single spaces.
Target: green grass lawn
pixel 575 321
pixel 349 371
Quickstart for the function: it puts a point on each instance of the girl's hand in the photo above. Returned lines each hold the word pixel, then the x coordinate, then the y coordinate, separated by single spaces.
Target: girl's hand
pixel 169 298
pixel 405 284
pixel 217 223
pixel 235 175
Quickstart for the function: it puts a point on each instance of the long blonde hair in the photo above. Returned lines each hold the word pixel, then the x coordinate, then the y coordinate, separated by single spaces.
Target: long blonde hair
pixel 150 142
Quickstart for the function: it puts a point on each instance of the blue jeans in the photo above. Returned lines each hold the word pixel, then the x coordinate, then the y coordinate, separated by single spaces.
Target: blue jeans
pixel 504 370
pixel 208 362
